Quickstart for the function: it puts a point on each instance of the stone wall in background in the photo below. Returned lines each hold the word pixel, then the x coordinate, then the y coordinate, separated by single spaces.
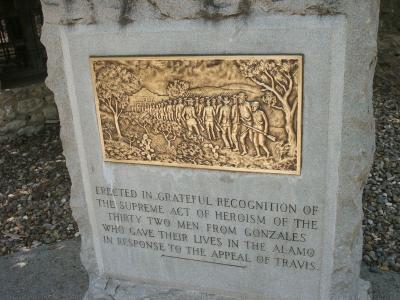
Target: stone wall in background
pixel 25 110
pixel 390 15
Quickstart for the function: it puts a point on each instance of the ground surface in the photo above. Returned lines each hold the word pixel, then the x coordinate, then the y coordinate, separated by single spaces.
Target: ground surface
pixel 34 192
pixel 381 201
pixel 47 272
pixel 54 273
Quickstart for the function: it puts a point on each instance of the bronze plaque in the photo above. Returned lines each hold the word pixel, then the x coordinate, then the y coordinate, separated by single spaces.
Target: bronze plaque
pixel 236 113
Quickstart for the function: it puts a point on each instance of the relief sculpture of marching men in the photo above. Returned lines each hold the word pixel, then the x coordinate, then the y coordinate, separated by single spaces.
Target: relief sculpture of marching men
pixel 240 113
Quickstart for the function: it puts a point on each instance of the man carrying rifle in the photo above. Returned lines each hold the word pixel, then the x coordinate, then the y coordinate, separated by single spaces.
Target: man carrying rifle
pixel 235 123
pixel 260 128
pixel 245 120
pixel 224 120
pixel 189 115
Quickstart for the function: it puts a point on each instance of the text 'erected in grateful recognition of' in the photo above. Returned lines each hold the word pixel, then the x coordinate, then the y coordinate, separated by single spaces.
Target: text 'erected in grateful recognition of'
pixel 210 229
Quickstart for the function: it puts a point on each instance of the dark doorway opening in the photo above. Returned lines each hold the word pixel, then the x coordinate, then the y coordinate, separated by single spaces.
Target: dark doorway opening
pixel 22 56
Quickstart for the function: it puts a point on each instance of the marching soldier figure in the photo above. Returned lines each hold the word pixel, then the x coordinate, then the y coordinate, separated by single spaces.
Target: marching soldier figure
pixel 245 119
pixel 224 121
pixel 214 104
pixel 164 111
pixel 174 103
pixel 179 110
pixel 189 115
pixel 219 104
pixel 260 125
pixel 209 120
pixel 170 111
pixel 235 123
pixel 200 108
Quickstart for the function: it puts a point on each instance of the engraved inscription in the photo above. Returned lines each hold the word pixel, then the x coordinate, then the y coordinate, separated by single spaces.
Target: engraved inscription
pixel 211 229
pixel 238 113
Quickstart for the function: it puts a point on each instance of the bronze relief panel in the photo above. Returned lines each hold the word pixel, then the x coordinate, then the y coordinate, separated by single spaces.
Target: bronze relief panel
pixel 235 113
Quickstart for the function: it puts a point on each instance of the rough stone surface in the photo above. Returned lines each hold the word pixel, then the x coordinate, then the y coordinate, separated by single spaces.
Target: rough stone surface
pixel 351 123
pixel 50 112
pixel 24 110
pixel 12 126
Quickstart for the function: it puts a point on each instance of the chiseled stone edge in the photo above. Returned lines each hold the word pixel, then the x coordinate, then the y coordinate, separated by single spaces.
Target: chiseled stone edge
pixel 127 11
pixel 357 128
pixel 358 146
pixel 56 81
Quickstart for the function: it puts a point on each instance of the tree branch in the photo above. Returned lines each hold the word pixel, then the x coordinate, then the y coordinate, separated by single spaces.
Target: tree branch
pixel 289 78
pixel 270 78
pixel 108 103
pixel 284 88
pixel 122 109
pixel 294 106
pixel 141 126
pixel 267 88
pixel 116 107
pixel 277 107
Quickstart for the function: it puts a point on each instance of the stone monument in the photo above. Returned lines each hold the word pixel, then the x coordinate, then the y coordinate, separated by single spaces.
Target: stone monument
pixel 217 149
